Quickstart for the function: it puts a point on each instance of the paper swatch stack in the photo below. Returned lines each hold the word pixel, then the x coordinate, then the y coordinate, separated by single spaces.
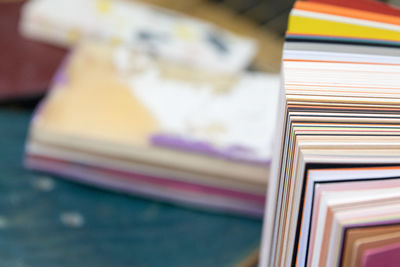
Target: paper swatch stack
pixel 334 196
pixel 127 121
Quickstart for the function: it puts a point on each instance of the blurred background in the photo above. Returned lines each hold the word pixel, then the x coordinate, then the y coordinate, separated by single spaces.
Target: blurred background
pixel 49 221
pixel 58 138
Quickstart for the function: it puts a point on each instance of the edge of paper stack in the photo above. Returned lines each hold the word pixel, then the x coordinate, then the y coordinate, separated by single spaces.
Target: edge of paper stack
pixel 334 195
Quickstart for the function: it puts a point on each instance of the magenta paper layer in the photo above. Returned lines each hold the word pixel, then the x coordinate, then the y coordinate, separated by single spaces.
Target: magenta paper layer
pixel 254 204
pixel 387 256
pixel 359 225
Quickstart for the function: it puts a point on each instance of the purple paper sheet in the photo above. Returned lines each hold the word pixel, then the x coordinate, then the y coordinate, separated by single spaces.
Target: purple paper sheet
pixel 232 153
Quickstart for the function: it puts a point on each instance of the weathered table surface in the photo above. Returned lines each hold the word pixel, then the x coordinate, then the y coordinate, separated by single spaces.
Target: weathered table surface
pixel 47 221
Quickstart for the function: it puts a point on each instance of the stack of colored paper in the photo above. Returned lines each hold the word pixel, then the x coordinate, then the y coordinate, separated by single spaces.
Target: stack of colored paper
pixel 130 122
pixel 334 196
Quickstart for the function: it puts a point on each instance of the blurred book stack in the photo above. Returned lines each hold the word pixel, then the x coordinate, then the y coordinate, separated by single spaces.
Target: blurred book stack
pixel 154 103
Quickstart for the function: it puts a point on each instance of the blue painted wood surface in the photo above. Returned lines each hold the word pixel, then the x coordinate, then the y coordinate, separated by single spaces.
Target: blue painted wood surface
pixel 46 221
